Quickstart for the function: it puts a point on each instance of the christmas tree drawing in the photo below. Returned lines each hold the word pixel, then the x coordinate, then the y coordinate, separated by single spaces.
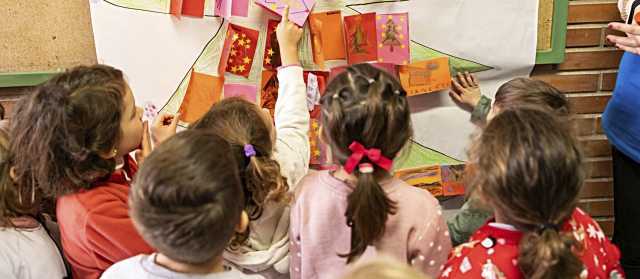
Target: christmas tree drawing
pixel 390 35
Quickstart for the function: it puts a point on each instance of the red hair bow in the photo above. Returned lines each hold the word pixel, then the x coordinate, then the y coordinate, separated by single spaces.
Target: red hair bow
pixel 358 151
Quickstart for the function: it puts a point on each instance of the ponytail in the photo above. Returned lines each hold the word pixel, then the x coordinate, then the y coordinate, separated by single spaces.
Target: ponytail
pixel 548 253
pixel 367 212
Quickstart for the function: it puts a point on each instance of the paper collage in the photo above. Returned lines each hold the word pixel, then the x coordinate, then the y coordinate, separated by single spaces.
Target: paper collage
pixel 271 48
pixel 444 180
pixel 375 37
pixel 228 8
pixel 299 10
pixel 327 29
pixel 269 91
pixel 203 91
pixel 238 50
pixel 425 76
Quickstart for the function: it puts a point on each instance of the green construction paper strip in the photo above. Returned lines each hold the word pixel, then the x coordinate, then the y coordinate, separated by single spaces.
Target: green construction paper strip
pixel 420 52
pixel 419 156
pixel 25 79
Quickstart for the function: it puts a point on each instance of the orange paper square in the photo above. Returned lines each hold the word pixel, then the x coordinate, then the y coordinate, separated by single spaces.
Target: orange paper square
pixel 203 91
pixel 425 76
pixel 329 35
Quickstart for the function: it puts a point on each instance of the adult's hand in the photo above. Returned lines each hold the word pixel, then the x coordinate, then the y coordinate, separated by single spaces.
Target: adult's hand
pixel 630 43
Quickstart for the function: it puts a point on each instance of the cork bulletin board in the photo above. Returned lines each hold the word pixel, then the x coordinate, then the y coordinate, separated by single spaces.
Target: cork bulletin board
pixel 552 30
pixel 40 38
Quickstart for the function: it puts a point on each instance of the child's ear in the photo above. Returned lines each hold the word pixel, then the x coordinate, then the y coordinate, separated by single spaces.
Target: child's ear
pixel 12 174
pixel 243 223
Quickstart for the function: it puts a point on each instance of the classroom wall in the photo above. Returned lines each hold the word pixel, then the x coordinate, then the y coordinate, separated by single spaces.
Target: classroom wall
pixel 588 76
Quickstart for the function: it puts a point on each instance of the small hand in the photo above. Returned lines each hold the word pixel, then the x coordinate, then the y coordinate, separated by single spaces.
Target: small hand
pixel 288 35
pixel 164 126
pixel 465 90
pixel 145 148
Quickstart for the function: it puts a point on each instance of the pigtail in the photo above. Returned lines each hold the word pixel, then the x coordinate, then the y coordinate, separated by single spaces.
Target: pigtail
pixel 265 183
pixel 367 212
pixel 548 253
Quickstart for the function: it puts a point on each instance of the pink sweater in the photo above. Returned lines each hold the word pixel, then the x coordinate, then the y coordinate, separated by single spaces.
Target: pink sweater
pixel 416 234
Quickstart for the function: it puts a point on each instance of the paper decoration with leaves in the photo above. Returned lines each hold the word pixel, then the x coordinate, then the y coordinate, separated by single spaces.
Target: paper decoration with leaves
pixel 425 76
pixel 193 8
pixel 271 47
pixel 202 92
pixel 452 180
pixel 428 178
pixel 329 35
pixel 319 156
pixel 150 112
pixel 238 50
pixel 393 38
pixel 298 9
pixel 246 91
pixel 360 33
pixel 269 91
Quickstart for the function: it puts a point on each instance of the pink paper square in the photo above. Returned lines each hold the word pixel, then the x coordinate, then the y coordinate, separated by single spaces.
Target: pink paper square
pixel 240 8
pixel 298 9
pixel 393 38
pixel 246 91
pixel 223 8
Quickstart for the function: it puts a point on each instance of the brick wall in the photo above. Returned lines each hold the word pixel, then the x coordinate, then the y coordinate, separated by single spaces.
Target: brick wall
pixel 588 76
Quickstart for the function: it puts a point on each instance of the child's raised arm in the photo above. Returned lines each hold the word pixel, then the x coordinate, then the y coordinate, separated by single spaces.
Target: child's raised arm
pixel 291 113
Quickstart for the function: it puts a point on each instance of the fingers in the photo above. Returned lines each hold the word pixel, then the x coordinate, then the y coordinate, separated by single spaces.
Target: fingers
pixel 285 14
pixel 146 139
pixel 462 80
pixel 626 28
pixel 455 97
pixel 633 50
pixel 469 79
pixel 626 41
pixel 474 80
pixel 456 87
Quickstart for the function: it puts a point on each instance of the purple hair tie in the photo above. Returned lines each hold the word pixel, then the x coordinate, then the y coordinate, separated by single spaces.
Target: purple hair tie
pixel 249 151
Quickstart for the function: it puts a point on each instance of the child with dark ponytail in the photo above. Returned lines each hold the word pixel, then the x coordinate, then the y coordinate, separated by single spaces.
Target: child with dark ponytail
pixel 528 167
pixel 361 209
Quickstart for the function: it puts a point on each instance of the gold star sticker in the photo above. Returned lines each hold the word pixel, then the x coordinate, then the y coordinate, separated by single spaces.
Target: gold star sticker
pixel 241 42
pixel 383 26
pixel 234 69
pixel 246 60
pixel 234 52
pixel 235 36
pixel 267 60
pixel 378 17
pixel 241 68
pixel 270 52
pixel 316 153
pixel 248 41
pixel 314 125
pixel 390 17
pixel 401 36
pixel 244 35
pixel 402 18
pixel 247 46
pixel 380 46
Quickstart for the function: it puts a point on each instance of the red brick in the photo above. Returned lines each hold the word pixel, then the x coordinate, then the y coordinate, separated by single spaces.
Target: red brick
pixel 606 225
pixel 571 83
pixel 584 126
pixel 608 81
pixel 590 12
pixel 597 189
pixel 588 104
pixel 602 208
pixel 596 148
pixel 584 37
pixel 599 169
pixel 592 60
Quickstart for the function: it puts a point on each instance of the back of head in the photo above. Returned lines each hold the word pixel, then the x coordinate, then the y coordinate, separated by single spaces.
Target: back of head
pixel 60 129
pixel 243 124
pixel 367 107
pixel 530 170
pixel 384 268
pixel 521 92
pixel 12 198
pixel 186 199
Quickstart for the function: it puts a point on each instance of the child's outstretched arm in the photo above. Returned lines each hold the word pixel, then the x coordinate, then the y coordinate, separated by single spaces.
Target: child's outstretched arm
pixel 291 113
pixel 466 92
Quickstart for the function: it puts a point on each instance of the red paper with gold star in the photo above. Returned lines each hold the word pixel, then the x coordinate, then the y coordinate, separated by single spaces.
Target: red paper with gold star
pixel 271 47
pixel 238 50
